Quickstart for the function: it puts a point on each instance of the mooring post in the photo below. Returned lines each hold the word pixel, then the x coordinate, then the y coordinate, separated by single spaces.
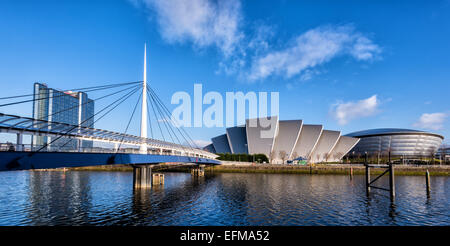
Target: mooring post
pixel 351 172
pixel 427 178
pixel 391 181
pixel 367 174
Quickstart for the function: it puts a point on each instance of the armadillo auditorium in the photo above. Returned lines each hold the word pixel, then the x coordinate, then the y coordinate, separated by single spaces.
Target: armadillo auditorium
pixel 292 139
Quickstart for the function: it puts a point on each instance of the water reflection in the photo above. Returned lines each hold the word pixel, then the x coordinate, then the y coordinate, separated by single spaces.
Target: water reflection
pixel 57 198
pixel 108 198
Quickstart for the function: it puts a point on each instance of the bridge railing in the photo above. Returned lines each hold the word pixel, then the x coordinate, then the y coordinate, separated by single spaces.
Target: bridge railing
pixel 34 148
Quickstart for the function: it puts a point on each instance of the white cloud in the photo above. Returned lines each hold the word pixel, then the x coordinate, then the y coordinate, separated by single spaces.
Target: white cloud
pixel 433 121
pixel 252 56
pixel 202 22
pixel 344 112
pixel 201 143
pixel 313 48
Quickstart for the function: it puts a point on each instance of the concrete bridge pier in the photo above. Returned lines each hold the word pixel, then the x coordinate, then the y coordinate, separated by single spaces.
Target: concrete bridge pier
pixel 142 176
pixel 198 171
pixel 158 179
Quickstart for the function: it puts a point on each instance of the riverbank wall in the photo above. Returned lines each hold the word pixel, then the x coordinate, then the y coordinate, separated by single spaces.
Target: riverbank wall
pixel 345 169
pixel 248 167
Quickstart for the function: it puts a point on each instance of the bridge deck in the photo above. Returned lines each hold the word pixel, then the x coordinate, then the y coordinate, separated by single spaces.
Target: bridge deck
pixel 42 160
pixel 25 125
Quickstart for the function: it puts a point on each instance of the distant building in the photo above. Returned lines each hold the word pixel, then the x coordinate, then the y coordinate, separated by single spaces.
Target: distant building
pixel 443 153
pixel 399 142
pixel 74 108
pixel 291 140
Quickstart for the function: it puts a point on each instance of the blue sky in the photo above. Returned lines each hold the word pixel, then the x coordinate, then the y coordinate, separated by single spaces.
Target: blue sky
pixel 349 65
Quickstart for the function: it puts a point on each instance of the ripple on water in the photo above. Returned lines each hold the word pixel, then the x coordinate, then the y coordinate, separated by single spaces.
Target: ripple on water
pixel 107 198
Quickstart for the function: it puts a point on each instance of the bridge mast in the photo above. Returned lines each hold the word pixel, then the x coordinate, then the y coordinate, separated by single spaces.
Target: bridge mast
pixel 143 147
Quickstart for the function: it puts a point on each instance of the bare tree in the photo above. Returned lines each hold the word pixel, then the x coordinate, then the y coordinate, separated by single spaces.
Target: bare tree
pixel 272 156
pixel 432 152
pixel 283 155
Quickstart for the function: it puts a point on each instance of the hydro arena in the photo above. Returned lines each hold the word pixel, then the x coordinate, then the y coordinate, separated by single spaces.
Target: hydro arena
pixel 399 142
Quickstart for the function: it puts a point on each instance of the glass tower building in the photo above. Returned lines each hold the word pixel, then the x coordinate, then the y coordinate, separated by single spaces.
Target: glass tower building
pixel 74 108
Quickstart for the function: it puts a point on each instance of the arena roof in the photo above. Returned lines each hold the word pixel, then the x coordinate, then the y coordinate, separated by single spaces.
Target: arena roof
pixel 389 131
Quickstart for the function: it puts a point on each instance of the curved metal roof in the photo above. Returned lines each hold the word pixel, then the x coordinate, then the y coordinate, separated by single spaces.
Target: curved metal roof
pixel 389 131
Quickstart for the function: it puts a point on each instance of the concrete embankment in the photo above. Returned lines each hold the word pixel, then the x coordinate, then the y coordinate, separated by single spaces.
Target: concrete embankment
pixel 236 167
pixel 248 167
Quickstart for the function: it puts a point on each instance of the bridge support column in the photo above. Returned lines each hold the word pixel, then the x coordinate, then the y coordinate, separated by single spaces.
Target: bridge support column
pixel 198 171
pixel 142 176
pixel 158 179
pixel 19 145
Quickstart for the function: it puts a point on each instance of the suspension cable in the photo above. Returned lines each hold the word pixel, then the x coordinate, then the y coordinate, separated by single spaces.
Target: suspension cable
pixel 171 124
pixel 149 119
pixel 129 121
pixel 168 112
pixel 164 121
pixel 44 98
pixel 64 134
pixel 123 99
pixel 173 132
pixel 156 118
pixel 78 89
pixel 96 99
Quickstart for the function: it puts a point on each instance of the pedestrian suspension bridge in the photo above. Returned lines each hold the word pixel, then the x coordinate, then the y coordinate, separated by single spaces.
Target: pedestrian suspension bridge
pixel 168 142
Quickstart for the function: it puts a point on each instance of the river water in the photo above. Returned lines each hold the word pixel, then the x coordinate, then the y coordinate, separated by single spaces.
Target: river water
pixel 108 198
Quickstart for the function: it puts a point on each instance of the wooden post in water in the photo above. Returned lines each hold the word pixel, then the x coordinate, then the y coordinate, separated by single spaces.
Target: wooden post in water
pixel 351 172
pixel 367 174
pixel 391 181
pixel 427 178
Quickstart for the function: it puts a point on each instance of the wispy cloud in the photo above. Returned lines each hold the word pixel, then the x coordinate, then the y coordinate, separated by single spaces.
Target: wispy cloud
pixel 344 112
pixel 313 48
pixel 201 143
pixel 202 22
pixel 248 51
pixel 433 121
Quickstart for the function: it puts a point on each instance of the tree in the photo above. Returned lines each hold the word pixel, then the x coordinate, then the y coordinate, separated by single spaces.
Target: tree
pixel 283 155
pixel 432 152
pixel 272 156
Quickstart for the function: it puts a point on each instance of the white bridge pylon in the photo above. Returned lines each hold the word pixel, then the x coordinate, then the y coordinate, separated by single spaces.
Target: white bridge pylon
pixel 143 147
